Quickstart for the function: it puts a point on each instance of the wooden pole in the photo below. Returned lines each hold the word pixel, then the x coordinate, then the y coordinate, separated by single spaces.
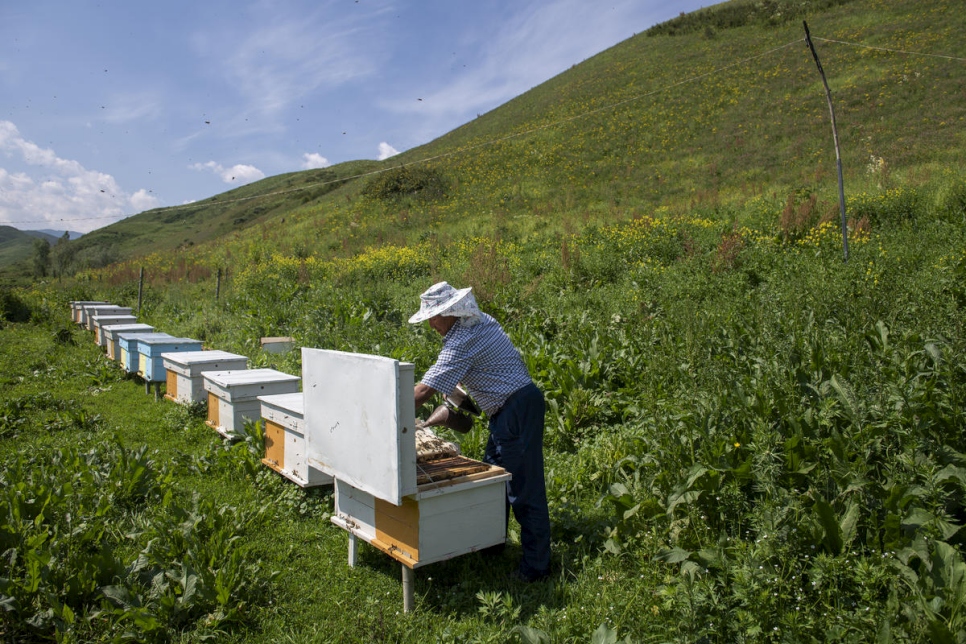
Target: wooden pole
pixel 140 290
pixel 835 136
pixel 218 285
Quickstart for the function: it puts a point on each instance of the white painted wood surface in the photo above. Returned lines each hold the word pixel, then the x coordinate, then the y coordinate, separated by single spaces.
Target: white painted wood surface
pixel 195 363
pixel 93 310
pixel 361 421
pixel 287 411
pixel 189 368
pixel 107 320
pixel 113 343
pixel 248 384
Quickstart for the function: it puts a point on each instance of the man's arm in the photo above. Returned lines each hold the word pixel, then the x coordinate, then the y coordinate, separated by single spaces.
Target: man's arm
pixel 422 393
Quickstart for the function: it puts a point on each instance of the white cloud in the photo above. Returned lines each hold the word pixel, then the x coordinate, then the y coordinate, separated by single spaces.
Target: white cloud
pixel 386 151
pixel 142 200
pixel 240 174
pixel 126 108
pixel 290 56
pixel 314 160
pixel 526 49
pixel 58 193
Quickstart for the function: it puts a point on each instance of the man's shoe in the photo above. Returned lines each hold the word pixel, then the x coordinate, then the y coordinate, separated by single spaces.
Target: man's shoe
pixel 528 577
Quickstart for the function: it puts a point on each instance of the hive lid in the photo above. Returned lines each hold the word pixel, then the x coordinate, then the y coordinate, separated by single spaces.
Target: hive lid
pixel 201 357
pixel 127 328
pixel 360 421
pixel 168 340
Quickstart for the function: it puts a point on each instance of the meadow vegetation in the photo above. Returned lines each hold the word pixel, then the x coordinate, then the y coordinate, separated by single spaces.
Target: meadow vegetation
pixel 748 438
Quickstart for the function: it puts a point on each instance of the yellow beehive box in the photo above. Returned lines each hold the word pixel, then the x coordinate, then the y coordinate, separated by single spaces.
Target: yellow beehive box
pixel 285 445
pixel 233 396
pixel 185 372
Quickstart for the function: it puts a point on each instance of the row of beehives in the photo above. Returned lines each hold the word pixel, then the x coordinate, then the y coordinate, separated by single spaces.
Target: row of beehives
pixel 357 430
pixel 192 375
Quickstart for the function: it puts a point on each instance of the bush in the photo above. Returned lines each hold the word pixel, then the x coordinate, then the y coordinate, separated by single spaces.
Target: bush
pixel 12 308
pixel 404 181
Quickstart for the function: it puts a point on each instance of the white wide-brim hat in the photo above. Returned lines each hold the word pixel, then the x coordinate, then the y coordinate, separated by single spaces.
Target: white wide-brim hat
pixel 443 299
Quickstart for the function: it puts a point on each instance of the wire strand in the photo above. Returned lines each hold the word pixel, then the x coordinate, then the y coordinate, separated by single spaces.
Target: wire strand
pixel 893 51
pixel 212 201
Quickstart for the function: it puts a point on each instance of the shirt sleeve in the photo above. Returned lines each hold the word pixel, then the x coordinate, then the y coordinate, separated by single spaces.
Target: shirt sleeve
pixel 453 363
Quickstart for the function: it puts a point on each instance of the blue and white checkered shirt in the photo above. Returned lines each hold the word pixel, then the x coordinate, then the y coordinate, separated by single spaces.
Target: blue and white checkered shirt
pixel 482 358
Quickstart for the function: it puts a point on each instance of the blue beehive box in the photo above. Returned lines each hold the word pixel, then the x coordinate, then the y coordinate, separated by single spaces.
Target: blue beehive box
pixel 130 358
pixel 150 362
pixel 112 341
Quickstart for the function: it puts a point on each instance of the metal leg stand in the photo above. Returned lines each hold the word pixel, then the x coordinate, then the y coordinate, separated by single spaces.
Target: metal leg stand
pixel 408 579
pixel 353 549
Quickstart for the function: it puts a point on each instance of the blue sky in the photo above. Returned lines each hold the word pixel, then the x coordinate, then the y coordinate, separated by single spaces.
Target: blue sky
pixel 114 107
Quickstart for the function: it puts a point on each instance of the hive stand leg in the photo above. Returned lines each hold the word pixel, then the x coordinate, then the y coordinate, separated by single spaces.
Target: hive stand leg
pixel 147 387
pixel 157 391
pixel 353 549
pixel 408 577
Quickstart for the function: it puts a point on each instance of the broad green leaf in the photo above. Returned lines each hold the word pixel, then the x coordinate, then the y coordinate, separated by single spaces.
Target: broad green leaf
pixel 849 523
pixel 830 523
pixel 918 517
pixel 604 635
pixel 674 555
pixel 530 635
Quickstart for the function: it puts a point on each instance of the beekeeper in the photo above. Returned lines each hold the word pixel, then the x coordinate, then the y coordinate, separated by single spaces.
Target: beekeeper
pixel 478 354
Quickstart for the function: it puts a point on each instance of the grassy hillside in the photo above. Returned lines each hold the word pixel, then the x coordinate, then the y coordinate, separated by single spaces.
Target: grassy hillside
pixel 747 438
pixel 17 246
pixel 705 119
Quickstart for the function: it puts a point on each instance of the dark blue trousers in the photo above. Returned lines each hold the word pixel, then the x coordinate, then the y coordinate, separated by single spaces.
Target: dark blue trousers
pixel 516 444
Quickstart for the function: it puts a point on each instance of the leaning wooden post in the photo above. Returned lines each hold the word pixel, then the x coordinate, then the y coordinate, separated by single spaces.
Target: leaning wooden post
pixel 835 136
pixel 140 290
pixel 218 285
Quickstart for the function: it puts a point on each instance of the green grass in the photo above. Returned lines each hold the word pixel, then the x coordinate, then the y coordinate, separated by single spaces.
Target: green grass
pixel 748 439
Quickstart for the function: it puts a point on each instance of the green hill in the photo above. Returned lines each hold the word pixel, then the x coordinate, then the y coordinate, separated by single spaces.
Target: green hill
pixel 17 246
pixel 727 109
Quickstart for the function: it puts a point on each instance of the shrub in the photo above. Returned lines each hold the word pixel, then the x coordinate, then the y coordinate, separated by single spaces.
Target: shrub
pixel 406 181
pixel 12 308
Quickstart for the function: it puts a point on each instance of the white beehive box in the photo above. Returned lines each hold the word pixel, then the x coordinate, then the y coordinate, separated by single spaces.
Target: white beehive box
pixel 83 313
pixel 285 445
pixel 360 424
pixel 93 310
pixel 185 382
pixel 233 396
pixel 107 320
pixel 77 309
pixel 112 341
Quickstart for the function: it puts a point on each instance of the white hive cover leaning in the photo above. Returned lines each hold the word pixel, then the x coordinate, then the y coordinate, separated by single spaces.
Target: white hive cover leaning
pixel 360 421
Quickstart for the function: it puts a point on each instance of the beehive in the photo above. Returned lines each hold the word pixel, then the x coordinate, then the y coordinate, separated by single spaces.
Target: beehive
pixel 285 445
pixel 130 358
pixel 93 310
pixel 107 320
pixel 360 424
pixel 82 313
pixel 77 308
pixel 150 350
pixel 233 396
pixel 185 380
pixel 112 342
